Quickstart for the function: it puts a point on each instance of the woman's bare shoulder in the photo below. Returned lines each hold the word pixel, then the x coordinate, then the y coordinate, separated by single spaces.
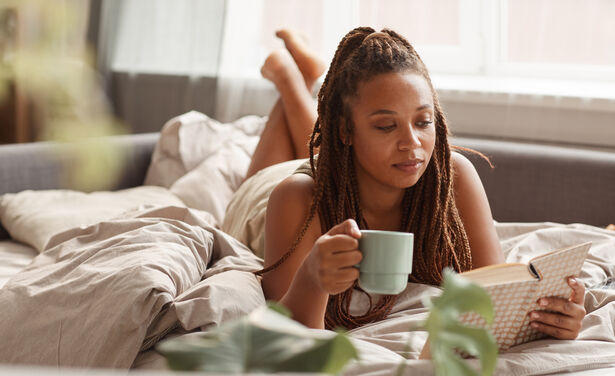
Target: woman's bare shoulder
pixel 295 191
pixel 461 164
pixel 466 181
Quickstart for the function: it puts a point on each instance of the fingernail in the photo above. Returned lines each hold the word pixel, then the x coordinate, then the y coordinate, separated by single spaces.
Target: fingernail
pixel 573 281
pixel 534 315
pixel 534 325
pixel 543 302
pixel 356 229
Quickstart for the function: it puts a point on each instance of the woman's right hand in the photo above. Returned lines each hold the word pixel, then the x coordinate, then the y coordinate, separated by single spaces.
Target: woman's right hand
pixel 331 262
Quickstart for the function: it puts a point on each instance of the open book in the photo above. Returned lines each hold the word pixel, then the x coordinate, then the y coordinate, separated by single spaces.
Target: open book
pixel 516 288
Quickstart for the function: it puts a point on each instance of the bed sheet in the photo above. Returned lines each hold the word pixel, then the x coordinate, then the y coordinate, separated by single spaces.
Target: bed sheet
pixel 14 257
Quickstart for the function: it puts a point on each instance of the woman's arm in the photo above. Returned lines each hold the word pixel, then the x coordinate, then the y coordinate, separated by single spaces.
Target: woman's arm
pixel 475 213
pixel 319 266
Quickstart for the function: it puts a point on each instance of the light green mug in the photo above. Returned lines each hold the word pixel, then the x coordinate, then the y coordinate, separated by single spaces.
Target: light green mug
pixel 387 261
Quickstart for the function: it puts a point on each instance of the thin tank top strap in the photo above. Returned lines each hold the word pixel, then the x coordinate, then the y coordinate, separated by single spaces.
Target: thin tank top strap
pixel 304 168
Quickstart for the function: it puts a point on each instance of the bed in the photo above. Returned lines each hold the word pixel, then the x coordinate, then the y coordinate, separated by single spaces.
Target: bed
pixel 96 279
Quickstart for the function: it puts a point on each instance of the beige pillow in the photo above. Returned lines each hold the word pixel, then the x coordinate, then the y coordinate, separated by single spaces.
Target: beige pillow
pixel 33 217
pixel 245 214
pixel 204 161
pixel 189 139
pixel 211 185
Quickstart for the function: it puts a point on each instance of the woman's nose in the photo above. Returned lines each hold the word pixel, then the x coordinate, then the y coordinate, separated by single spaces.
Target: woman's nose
pixel 409 138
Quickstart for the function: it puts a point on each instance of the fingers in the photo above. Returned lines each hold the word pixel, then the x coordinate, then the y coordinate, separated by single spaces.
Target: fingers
pixel 562 306
pixel 348 227
pixel 337 243
pixel 347 259
pixel 556 324
pixel 578 291
pixel 561 318
pixel 338 280
pixel 347 275
pixel 554 331
pixel 334 256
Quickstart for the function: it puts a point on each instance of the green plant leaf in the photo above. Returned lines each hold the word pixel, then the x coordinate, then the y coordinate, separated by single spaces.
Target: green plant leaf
pixel 448 337
pixel 459 295
pixel 448 363
pixel 264 341
pixel 277 307
pixel 334 352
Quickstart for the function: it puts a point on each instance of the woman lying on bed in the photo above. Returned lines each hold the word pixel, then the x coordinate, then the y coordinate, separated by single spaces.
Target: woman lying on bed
pixel 383 162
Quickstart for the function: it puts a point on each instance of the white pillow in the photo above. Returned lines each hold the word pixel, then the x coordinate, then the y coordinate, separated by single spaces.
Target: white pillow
pixel 33 217
pixel 204 161
pixel 245 214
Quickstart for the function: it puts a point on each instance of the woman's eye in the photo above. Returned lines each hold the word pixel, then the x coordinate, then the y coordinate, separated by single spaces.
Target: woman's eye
pixel 386 127
pixel 424 124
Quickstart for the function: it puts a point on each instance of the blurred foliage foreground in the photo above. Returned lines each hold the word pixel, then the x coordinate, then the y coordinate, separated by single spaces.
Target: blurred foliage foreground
pixel 44 54
pixel 268 340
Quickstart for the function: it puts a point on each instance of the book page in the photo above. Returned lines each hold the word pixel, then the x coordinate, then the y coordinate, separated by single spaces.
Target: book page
pixel 499 274
pixel 553 269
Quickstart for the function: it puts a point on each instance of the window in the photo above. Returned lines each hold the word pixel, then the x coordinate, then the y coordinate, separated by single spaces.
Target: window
pixel 540 70
pixel 551 38
pixel 567 39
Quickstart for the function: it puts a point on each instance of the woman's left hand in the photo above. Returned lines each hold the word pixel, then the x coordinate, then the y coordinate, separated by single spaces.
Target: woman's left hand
pixel 564 320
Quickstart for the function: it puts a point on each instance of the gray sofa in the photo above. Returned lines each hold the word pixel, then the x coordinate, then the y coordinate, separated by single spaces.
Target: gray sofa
pixel 529 182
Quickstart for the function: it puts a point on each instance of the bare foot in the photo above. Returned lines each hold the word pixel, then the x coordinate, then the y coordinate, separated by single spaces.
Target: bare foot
pixel 279 68
pixel 310 65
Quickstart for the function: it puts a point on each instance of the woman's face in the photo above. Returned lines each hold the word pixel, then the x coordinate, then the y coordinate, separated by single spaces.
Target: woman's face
pixel 394 130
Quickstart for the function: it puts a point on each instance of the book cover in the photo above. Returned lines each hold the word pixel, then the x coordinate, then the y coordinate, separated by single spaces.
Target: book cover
pixel 516 288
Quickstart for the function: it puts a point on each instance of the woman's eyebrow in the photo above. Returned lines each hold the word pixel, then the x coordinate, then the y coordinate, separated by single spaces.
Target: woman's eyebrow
pixel 390 112
pixel 382 112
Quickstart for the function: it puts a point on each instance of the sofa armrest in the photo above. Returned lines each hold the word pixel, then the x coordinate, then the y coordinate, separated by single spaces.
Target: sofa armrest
pixel 41 165
pixel 536 183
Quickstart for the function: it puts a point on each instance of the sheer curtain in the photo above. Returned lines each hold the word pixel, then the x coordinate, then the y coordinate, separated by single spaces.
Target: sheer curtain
pixel 240 56
pixel 160 58
pixel 163 57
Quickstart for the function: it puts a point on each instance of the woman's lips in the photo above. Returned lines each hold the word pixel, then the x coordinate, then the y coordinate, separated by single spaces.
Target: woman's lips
pixel 409 166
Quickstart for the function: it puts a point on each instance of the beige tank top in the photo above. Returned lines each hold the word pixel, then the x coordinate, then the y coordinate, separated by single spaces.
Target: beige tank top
pixel 304 168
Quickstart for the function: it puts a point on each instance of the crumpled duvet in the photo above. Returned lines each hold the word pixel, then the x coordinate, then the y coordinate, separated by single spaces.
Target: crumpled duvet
pixel 98 295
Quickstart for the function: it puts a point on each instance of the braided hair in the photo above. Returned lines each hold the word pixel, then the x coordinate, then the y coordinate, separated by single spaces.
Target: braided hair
pixel 428 207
